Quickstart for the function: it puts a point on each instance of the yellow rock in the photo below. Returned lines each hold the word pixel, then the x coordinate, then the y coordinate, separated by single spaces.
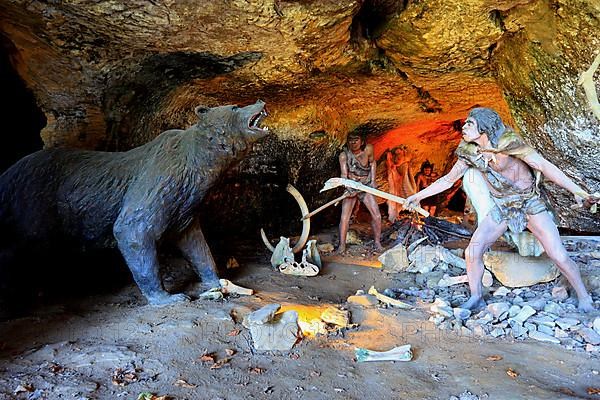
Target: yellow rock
pixel 513 270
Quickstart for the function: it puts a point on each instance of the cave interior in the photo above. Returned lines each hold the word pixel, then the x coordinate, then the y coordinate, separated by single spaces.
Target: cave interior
pixel 72 77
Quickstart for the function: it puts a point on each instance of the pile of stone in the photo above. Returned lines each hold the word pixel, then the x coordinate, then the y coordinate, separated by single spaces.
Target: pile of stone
pixel 524 300
pixel 520 314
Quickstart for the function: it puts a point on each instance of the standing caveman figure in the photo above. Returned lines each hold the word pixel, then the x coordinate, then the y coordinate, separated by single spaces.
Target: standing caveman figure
pixel 358 163
pixel 400 179
pixel 512 170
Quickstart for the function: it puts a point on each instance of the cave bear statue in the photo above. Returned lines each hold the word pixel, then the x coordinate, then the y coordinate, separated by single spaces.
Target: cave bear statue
pixel 135 199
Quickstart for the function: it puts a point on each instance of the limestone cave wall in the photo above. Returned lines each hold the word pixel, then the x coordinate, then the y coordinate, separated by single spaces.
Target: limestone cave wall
pixel 111 75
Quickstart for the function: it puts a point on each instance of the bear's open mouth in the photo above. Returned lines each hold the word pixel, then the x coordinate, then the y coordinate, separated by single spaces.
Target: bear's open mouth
pixel 256 119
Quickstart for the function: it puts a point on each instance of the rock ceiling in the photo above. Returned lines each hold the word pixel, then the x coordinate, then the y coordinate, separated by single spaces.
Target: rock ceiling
pixel 111 75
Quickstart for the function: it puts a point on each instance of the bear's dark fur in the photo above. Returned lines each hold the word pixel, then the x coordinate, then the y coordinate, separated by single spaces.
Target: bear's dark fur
pixel 134 198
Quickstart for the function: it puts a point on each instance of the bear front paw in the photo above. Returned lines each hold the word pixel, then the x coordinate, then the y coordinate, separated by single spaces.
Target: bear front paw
pixel 166 298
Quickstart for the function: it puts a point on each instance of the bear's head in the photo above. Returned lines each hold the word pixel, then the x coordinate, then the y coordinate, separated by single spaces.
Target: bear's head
pixel 240 124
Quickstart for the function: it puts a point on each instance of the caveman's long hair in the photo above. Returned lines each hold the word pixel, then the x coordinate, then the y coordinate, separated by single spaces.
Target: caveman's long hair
pixel 488 122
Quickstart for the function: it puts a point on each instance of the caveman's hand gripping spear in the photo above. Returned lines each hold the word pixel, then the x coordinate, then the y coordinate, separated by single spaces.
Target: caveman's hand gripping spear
pixel 335 182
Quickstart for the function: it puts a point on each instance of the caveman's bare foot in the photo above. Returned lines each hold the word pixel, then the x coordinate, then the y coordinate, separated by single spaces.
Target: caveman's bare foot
pixel 586 305
pixel 378 247
pixel 474 303
pixel 341 250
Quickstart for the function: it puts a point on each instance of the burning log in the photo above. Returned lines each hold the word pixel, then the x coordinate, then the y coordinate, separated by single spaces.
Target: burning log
pixel 435 230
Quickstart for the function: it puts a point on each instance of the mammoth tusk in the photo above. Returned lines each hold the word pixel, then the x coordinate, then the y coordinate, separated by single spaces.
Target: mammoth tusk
pixel 305 223
pixel 265 240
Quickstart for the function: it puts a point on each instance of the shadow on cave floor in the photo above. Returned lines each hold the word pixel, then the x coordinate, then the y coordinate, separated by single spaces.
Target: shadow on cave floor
pixel 62 279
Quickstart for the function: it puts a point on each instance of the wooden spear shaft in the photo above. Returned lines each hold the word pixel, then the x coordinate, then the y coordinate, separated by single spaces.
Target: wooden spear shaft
pixel 324 206
pixel 335 182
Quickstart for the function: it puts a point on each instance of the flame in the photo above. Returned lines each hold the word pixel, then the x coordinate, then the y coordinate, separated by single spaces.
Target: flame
pixel 433 140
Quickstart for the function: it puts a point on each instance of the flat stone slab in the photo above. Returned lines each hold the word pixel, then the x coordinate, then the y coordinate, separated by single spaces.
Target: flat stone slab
pixel 589 335
pixel 543 320
pixel 262 315
pixel 542 337
pixel 536 304
pixel 497 332
pixel 596 325
pixel 513 270
pixel 501 291
pixel 545 329
pixel 335 316
pixel 553 308
pixel 560 293
pixel 498 309
pixel 442 307
pixel 280 334
pixel 560 334
pixel 566 323
pixel 513 310
pixel 395 259
pixel 524 314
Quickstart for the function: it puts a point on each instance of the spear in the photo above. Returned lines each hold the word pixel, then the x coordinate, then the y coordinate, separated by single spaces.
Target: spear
pixel 324 206
pixel 335 182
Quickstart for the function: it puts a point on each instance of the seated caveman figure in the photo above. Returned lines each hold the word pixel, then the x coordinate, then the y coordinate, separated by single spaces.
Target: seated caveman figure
pixel 507 164
pixel 424 178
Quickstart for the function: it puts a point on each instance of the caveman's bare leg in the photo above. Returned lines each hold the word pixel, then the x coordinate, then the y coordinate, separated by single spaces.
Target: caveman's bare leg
pixel 484 236
pixel 354 213
pixel 347 207
pixel 138 247
pixel 195 249
pixel 371 203
pixel 544 229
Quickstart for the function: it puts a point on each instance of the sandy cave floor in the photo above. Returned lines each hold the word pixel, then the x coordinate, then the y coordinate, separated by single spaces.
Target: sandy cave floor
pixel 76 349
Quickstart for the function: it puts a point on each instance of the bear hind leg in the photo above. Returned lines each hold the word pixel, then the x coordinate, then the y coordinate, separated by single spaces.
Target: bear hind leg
pixel 194 248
